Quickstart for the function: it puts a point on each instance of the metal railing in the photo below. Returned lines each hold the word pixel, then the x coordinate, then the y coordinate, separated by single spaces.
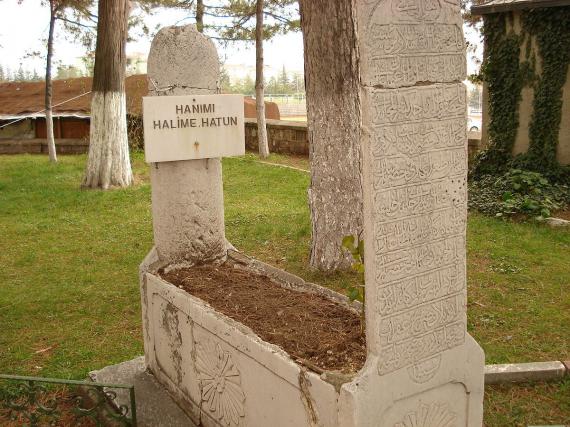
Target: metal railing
pixel 289 104
pixel 33 403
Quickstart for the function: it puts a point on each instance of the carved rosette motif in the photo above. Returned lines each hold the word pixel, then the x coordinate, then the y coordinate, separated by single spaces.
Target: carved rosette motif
pixel 220 384
pixel 434 415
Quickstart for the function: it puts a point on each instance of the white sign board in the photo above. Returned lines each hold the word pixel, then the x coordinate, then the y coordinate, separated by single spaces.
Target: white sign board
pixel 193 127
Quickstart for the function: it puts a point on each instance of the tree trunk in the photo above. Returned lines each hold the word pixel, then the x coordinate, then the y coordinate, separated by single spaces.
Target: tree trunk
pixel 49 118
pixel 333 110
pixel 200 15
pixel 259 86
pixel 108 164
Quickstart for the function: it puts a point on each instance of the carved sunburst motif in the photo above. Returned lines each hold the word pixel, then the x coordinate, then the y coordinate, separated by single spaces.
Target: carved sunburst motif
pixel 220 384
pixel 434 415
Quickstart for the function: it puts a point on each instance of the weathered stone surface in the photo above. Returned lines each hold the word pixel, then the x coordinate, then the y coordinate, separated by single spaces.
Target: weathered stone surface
pixel 557 222
pixel 188 210
pixel 403 43
pixel 414 147
pixel 422 364
pixel 524 372
pixel 221 373
pixel 187 196
pixel 155 407
pixel 283 136
pixel 182 61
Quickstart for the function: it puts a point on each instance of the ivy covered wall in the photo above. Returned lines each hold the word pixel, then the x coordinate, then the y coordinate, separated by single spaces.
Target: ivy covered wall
pixel 525 71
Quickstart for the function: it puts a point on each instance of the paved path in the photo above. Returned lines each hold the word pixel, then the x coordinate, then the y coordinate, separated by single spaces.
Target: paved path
pixel 155 407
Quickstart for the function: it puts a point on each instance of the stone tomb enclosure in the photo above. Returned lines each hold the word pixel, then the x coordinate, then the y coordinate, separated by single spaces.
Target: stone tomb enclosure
pixel 222 373
pixel 318 332
pixel 422 368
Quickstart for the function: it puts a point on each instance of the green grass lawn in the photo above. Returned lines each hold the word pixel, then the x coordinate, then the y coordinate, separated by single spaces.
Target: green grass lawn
pixel 69 299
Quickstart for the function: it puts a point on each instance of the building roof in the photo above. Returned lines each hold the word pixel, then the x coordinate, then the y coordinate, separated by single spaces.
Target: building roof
pixel 26 99
pixel 497 6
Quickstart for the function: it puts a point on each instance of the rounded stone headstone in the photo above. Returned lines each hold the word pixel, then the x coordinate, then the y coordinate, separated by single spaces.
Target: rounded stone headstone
pixel 183 61
pixel 187 196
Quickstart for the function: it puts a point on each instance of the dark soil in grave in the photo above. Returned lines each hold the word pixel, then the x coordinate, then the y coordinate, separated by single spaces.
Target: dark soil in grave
pixel 317 332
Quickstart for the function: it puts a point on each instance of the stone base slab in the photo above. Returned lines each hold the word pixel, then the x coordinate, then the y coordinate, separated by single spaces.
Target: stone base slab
pixel 557 222
pixel 524 372
pixel 155 407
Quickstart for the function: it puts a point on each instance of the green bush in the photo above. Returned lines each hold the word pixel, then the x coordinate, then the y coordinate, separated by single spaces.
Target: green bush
pixel 517 192
pixel 135 133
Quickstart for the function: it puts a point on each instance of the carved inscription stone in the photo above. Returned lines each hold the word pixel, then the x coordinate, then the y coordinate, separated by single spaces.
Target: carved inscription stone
pixel 415 171
pixel 412 41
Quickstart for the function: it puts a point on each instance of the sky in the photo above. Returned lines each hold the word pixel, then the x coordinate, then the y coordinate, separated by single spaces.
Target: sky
pixel 24 28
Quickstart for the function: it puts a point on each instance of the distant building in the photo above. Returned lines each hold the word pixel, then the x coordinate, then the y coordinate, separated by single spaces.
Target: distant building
pixel 25 100
pixel 137 63
pixel 71 101
pixel 512 13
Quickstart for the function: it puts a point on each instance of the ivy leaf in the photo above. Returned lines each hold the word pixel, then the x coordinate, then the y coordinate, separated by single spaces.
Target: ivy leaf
pixel 359 268
pixel 361 249
pixel 353 294
pixel 348 243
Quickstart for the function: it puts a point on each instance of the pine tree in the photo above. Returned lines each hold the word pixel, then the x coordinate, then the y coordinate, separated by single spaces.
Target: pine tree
pixel 20 74
pixel 273 86
pixel 333 116
pixel 225 83
pixel 248 85
pixel 61 72
pixel 108 163
pixel 260 81
pixel 283 81
pixel 58 11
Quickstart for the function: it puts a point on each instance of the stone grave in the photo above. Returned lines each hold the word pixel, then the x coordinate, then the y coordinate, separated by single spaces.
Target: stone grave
pixel 422 369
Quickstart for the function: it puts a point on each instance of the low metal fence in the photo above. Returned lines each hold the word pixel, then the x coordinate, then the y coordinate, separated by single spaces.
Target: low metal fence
pixel 35 402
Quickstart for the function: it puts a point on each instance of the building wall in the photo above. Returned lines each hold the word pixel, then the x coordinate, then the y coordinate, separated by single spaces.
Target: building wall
pixel 64 127
pixel 283 137
pixel 525 114
pixel 39 146
pixel 563 153
pixel 24 129
pixel 526 108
